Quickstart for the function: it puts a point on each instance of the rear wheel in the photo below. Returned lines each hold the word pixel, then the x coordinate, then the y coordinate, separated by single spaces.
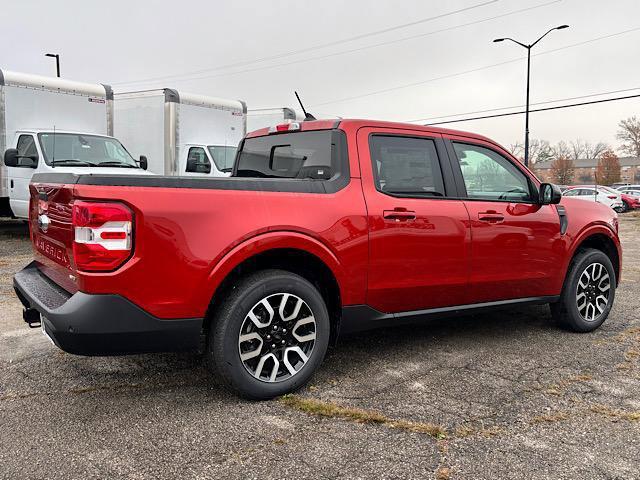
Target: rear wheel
pixel 270 335
pixel 588 292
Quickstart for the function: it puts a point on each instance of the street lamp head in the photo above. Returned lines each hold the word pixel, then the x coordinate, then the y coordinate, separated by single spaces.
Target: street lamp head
pixel 498 40
pixel 50 55
pixel 562 27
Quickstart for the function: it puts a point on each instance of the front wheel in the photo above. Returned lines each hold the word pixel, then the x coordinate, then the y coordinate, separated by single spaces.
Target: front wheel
pixel 270 335
pixel 588 292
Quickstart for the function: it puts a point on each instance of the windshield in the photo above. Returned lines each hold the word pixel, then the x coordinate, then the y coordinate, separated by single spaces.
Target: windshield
pixel 84 150
pixel 223 157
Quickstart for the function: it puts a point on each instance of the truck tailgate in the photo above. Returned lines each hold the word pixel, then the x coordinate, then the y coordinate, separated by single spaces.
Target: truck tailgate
pixel 50 225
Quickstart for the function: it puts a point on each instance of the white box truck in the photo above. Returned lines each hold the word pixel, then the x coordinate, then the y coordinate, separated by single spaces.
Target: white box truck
pixel 181 133
pixel 267 117
pixel 51 123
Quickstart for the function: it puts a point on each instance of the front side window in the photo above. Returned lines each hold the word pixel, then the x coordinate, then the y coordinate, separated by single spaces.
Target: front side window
pixel 406 166
pixel 314 155
pixel 84 150
pixel 197 161
pixel 223 157
pixel 572 193
pixel 27 146
pixel 490 176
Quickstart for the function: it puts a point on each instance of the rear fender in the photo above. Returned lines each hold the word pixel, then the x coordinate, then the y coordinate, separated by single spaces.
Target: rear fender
pixel 271 241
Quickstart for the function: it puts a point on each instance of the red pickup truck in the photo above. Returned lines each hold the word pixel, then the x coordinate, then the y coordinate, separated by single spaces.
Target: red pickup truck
pixel 326 227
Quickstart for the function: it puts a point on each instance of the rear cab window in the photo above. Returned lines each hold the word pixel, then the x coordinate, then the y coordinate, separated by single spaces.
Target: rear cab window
pixel 306 155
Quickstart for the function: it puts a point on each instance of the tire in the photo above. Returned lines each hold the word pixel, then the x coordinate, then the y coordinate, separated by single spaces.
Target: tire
pixel 291 301
pixel 582 309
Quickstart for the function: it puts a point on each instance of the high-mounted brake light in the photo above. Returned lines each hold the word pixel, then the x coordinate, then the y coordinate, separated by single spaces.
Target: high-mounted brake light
pixel 285 127
pixel 102 235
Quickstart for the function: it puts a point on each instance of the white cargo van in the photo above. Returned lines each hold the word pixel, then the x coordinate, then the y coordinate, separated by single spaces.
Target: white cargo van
pixel 50 123
pixel 180 133
pixel 267 117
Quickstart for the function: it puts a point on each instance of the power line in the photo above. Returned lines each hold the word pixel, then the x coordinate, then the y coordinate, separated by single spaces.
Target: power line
pixel 520 106
pixel 320 46
pixel 186 77
pixel 557 107
pixel 465 72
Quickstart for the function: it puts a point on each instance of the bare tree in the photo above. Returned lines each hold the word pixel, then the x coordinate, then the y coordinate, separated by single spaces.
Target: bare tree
pixel 517 150
pixel 629 134
pixel 577 149
pixel 561 149
pixel 591 152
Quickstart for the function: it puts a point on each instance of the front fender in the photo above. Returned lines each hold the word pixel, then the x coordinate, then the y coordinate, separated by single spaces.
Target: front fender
pixel 596 228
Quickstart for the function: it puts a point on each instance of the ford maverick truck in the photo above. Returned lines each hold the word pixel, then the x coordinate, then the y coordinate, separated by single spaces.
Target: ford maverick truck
pixel 324 228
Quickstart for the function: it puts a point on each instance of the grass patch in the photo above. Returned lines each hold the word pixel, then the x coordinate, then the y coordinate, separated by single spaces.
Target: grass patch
pixel 615 413
pixel 359 415
pixel 550 418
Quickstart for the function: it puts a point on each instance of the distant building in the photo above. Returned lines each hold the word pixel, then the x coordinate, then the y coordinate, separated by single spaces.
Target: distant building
pixel 585 170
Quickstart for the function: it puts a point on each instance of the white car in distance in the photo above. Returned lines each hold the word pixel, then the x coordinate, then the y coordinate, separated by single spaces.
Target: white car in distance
pixel 596 194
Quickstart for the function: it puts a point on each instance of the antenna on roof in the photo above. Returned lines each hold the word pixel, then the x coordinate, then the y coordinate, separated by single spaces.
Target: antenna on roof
pixel 307 116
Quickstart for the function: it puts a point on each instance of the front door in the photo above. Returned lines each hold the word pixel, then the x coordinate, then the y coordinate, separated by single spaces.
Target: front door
pixel 517 248
pixel 419 239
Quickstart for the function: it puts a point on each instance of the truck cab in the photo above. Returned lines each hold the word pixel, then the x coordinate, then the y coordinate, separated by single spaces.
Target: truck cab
pixel 45 151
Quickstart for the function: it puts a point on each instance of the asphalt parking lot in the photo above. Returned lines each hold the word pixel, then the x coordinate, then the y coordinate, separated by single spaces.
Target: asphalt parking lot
pixel 504 395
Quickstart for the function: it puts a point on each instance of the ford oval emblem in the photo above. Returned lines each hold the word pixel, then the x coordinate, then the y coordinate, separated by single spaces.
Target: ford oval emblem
pixel 43 223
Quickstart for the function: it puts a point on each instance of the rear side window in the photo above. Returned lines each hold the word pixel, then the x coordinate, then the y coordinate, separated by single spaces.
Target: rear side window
pixel 318 155
pixel 406 166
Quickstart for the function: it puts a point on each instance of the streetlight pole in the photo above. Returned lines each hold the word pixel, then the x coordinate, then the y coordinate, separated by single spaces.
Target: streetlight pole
pixel 57 57
pixel 526 118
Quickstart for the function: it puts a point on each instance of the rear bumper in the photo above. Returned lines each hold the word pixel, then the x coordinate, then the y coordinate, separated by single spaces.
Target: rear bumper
pixel 86 324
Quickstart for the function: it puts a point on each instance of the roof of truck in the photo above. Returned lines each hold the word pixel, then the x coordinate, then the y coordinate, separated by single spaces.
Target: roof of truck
pixel 50 130
pixel 356 123
pixel 56 84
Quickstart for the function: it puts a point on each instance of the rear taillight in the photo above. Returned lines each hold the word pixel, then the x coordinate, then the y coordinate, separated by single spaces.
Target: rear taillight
pixel 611 197
pixel 102 235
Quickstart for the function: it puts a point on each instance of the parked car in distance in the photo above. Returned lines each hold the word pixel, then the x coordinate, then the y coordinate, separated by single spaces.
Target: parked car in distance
pixel 629 201
pixel 619 185
pixel 630 189
pixel 324 228
pixel 596 194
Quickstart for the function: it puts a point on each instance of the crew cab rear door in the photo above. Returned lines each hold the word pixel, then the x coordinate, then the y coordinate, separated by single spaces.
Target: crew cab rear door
pixel 517 249
pixel 419 237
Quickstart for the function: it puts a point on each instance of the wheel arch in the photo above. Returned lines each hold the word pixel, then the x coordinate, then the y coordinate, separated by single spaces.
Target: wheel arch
pixel 289 251
pixel 600 238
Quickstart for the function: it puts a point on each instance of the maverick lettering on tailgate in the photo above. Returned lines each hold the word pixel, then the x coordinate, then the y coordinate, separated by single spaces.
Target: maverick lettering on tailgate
pixel 52 251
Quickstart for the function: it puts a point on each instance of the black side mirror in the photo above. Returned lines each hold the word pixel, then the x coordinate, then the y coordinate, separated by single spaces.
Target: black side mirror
pixel 13 159
pixel 143 162
pixel 549 194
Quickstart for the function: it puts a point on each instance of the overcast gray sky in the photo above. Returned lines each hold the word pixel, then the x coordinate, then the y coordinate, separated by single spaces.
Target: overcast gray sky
pixel 242 49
